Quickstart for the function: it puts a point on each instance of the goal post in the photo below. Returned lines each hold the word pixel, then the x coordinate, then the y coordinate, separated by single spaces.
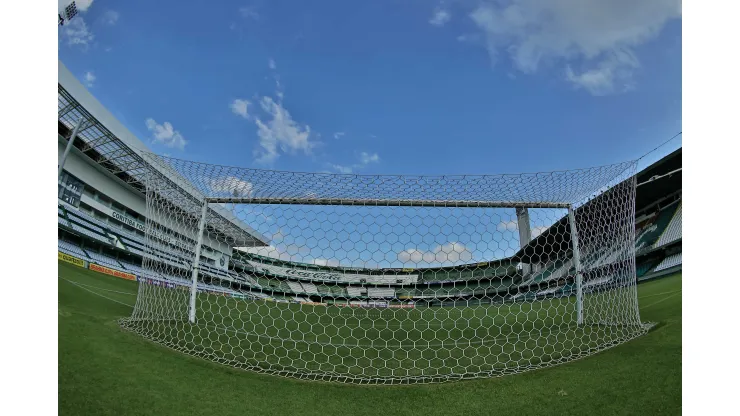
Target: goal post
pixel 387 279
pixel 196 260
pixel 576 264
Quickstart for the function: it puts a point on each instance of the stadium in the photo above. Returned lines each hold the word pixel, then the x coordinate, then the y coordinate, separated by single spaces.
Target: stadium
pixel 287 284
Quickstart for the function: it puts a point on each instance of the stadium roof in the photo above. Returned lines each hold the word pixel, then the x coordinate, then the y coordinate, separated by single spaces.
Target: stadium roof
pixel 648 191
pixel 108 143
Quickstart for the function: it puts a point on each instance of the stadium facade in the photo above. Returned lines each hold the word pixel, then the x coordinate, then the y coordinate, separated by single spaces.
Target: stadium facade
pixel 104 225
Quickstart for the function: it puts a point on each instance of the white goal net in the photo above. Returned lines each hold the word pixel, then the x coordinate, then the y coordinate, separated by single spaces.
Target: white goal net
pixel 387 279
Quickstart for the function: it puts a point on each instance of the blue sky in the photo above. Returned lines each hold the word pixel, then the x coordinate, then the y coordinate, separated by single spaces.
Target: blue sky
pixel 388 87
pixel 415 87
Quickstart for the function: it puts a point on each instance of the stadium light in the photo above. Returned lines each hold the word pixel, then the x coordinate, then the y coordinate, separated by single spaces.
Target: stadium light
pixel 69 12
pixel 69 147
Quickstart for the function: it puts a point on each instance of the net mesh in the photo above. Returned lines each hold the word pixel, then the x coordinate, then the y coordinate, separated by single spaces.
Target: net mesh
pixel 387 279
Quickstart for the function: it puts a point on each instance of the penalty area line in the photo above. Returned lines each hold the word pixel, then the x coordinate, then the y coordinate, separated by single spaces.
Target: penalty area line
pixel 96 293
pixel 659 301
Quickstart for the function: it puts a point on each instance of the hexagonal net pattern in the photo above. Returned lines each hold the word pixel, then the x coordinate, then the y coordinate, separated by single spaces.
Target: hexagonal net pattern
pixel 387 279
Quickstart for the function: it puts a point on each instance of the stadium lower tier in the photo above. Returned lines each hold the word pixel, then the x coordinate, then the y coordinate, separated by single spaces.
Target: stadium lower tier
pixel 88 239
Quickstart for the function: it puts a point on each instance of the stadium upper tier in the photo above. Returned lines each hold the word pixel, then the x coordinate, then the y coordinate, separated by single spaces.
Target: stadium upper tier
pixel 107 155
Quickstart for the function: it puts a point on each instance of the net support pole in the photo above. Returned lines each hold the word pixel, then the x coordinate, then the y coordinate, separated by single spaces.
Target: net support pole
pixel 69 147
pixel 196 260
pixel 577 264
pixel 525 234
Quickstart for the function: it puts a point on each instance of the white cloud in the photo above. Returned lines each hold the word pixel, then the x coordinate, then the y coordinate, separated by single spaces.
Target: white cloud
pixel 75 32
pixel 612 74
pixel 249 12
pixel 232 186
pixel 271 63
pixel 366 158
pixel 89 79
pixel 342 169
pixel 600 34
pixel 507 226
pixel 280 133
pixel 440 17
pixel 447 253
pixel 110 17
pixel 166 134
pixel 339 134
pixel 514 226
pixel 240 107
pixel 536 231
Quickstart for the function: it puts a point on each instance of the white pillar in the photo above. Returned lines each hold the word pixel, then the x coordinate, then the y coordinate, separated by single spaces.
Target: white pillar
pixel 525 233
pixel 196 259
pixel 577 263
pixel 68 148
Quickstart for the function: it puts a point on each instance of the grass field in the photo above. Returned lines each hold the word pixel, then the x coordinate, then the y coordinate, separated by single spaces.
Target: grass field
pixel 106 370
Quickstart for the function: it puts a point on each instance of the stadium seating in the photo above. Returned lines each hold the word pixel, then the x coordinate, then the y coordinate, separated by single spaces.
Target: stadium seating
pixel 90 219
pixel 646 267
pixel 139 239
pixel 654 229
pixel 337 291
pixel 668 262
pixel 73 250
pixel 295 287
pixel 104 260
pixel 63 221
pixel 355 291
pixel 384 292
pixel 136 269
pixel 672 231
pixel 84 231
pixel 87 224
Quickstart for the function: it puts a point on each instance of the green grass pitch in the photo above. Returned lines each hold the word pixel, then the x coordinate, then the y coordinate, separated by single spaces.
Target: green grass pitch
pixel 106 370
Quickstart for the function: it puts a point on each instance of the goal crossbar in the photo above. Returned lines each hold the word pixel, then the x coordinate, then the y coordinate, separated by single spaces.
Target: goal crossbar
pixel 387 202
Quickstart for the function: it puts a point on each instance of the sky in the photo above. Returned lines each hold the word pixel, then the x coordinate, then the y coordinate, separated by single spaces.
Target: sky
pixel 387 87
pixel 401 87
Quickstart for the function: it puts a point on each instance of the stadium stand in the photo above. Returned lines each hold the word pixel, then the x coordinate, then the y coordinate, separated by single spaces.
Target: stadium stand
pixel 104 260
pixel 93 235
pixel 669 262
pixel 673 230
pixel 73 250
pixel 646 267
pixel 63 221
pixel 89 219
pixel 655 227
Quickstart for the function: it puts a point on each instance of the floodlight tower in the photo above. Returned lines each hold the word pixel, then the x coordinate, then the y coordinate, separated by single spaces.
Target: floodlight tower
pixel 68 13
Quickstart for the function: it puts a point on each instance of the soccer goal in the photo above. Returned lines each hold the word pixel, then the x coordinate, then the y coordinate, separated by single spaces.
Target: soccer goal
pixel 387 279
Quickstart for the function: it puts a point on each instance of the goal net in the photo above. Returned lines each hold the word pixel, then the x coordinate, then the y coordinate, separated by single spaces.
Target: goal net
pixel 387 279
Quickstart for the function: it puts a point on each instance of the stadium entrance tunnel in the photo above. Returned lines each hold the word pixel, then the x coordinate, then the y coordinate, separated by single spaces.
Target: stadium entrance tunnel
pixel 387 279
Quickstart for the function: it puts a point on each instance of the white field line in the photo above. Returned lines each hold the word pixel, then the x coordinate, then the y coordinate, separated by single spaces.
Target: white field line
pixel 662 293
pixel 659 301
pixel 95 293
pixel 100 288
